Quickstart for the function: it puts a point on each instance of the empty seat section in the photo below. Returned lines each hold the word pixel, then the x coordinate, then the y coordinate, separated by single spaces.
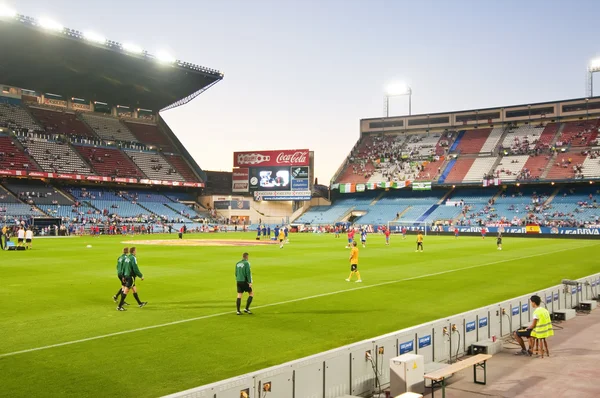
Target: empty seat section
pixel 61 122
pixel 492 140
pixel 480 168
pixel 324 214
pixel 460 169
pixel 591 165
pixel 17 118
pixel 473 141
pixel 182 167
pixel 150 134
pixel 108 128
pixel 110 161
pixel 154 166
pixel 12 157
pixel 56 157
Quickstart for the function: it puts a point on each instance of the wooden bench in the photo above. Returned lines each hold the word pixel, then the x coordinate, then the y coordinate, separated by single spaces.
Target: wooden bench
pixel 440 375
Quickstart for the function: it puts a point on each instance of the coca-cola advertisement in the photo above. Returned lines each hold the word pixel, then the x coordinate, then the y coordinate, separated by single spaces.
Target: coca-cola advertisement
pixel 288 157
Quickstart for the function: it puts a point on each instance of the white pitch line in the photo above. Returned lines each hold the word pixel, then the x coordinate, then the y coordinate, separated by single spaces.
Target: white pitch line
pixel 103 336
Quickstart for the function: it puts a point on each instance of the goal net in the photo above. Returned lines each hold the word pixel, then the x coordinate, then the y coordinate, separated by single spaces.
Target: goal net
pixel 411 226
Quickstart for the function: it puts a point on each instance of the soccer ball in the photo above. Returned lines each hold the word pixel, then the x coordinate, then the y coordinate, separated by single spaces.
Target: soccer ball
pixel 89 246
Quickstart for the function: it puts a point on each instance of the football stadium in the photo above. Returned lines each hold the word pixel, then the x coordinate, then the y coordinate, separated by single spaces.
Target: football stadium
pixel 444 242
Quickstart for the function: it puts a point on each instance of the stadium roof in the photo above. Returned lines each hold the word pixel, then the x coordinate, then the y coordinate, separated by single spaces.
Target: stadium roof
pixel 45 57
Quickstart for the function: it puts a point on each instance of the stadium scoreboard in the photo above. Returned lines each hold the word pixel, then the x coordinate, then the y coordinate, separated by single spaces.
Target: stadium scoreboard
pixel 274 175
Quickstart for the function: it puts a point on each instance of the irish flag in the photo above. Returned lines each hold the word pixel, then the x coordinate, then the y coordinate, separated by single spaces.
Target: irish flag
pixel 347 188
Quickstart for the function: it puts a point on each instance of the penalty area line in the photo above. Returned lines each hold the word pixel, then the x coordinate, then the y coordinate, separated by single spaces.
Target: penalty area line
pixel 162 325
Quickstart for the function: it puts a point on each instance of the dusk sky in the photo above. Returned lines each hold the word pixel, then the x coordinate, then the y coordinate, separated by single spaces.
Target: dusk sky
pixel 301 74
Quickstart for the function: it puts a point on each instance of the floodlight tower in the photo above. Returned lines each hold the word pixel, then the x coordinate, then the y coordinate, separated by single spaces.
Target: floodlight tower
pixel 397 90
pixel 593 67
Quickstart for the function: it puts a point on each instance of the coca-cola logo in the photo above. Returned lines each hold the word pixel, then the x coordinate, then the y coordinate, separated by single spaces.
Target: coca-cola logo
pixel 272 158
pixel 292 158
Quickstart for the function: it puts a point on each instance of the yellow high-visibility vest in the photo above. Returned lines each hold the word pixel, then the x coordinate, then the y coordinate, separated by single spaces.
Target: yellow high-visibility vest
pixel 543 326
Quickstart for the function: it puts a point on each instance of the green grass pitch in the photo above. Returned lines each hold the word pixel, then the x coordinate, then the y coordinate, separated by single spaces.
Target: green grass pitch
pixel 188 335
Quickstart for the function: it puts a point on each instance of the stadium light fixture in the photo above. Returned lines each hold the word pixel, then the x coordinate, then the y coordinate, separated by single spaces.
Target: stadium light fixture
pixel 7 12
pixel 396 90
pixel 132 48
pixel 94 37
pixel 595 65
pixel 164 57
pixel 50 24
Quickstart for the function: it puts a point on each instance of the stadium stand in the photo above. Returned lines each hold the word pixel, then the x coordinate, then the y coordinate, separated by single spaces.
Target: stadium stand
pixel 546 139
pixel 523 139
pixel 55 157
pixel 579 133
pixel 430 171
pixel 12 157
pixel 492 140
pixel 154 166
pixel 480 168
pixel 150 134
pixel 109 161
pixel 534 167
pixel 568 165
pixel 17 118
pixel 591 165
pixel 108 128
pixel 62 122
pixel 37 192
pixel 109 202
pixel 472 141
pixel 459 169
pixel 421 145
pixel 182 167
pixel 509 168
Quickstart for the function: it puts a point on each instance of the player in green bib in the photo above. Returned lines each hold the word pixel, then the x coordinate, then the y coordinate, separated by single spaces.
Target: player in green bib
pixel 120 262
pixel 243 277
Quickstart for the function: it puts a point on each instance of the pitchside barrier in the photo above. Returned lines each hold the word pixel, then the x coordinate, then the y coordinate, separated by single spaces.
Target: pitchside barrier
pixel 345 370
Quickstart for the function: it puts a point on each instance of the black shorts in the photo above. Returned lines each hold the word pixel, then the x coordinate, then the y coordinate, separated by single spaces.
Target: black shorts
pixel 20 240
pixel 243 287
pixel 27 240
pixel 499 241
pixel 280 240
pixel 121 279
pixel 524 332
pixel 353 267
pixel 128 281
pixel 420 244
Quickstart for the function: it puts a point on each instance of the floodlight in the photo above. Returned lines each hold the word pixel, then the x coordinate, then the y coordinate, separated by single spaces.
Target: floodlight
pixel 132 48
pixel 595 65
pixel 165 57
pixel 94 37
pixel 50 24
pixel 397 89
pixel 7 12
